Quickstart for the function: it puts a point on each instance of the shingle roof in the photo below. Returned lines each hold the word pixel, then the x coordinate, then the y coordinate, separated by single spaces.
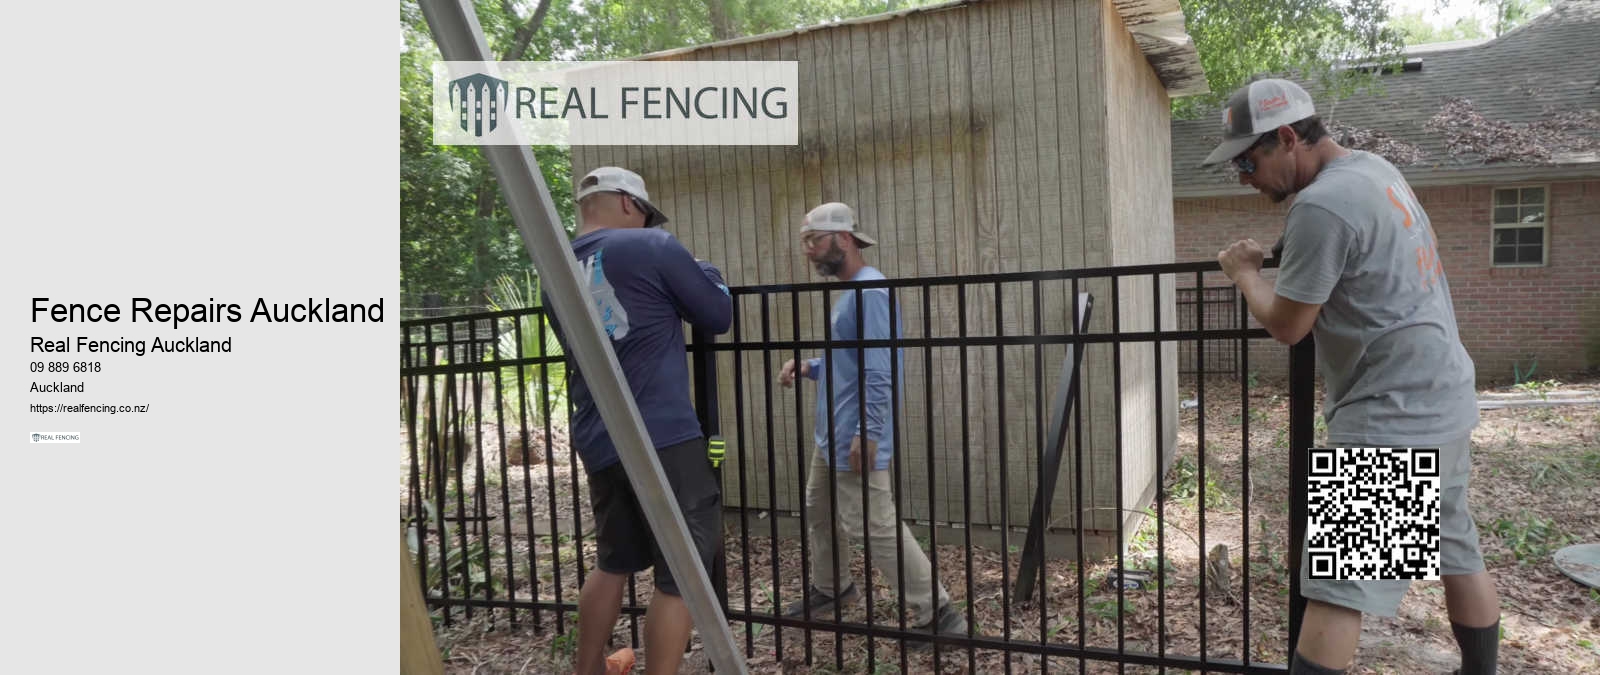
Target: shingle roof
pixel 1545 73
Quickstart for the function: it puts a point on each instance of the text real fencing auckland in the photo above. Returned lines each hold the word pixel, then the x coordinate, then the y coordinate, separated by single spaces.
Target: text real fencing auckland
pixel 121 345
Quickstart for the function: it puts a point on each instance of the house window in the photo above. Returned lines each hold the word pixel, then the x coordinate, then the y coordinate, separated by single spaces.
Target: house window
pixel 1520 238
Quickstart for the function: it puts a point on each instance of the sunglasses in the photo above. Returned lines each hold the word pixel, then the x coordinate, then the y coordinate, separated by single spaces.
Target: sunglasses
pixel 814 239
pixel 1242 160
pixel 631 199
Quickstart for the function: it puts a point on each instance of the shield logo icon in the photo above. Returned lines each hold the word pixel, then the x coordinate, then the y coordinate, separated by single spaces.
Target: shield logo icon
pixel 478 99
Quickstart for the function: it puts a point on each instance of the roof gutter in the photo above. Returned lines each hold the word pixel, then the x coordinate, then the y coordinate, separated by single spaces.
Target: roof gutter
pixel 1432 178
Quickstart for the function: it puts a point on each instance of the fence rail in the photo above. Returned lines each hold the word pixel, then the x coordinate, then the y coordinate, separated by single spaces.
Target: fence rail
pixel 494 500
pixel 1210 307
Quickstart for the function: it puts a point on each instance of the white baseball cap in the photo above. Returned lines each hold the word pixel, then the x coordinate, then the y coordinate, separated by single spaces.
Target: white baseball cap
pixel 1255 109
pixel 836 217
pixel 617 179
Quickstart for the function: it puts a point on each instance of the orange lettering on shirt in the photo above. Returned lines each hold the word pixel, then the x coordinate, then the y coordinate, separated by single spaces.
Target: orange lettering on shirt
pixel 1403 210
pixel 1429 266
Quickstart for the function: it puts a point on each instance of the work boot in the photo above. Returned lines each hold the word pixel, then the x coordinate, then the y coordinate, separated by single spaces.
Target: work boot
pixel 822 604
pixel 949 622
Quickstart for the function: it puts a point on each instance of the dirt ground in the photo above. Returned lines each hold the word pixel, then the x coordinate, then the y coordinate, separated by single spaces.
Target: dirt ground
pixel 1536 471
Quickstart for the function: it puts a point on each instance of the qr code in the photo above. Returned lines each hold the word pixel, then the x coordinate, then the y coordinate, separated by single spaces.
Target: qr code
pixel 1373 514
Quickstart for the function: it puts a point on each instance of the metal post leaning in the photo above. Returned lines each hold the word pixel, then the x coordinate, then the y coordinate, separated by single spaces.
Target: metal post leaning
pixel 1033 548
pixel 455 28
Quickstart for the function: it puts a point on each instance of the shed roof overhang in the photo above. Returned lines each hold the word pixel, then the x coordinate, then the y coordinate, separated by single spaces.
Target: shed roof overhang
pixel 1156 25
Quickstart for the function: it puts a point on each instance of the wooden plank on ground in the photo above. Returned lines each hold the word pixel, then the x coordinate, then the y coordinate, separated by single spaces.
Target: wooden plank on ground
pixel 419 653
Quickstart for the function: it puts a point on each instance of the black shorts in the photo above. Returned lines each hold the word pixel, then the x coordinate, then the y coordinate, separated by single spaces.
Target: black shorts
pixel 626 544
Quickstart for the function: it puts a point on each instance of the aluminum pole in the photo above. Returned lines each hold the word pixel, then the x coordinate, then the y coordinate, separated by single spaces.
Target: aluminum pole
pixel 460 38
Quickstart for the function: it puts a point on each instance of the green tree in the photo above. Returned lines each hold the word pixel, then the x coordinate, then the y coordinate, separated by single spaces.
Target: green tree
pixel 1416 30
pixel 456 234
pixel 614 30
pixel 1305 39
pixel 1509 14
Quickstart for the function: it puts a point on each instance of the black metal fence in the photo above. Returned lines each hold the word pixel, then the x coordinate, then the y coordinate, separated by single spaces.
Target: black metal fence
pixel 1210 308
pixel 438 305
pixel 1000 399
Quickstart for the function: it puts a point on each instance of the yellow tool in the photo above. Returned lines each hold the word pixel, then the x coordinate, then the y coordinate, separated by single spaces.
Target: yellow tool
pixel 715 449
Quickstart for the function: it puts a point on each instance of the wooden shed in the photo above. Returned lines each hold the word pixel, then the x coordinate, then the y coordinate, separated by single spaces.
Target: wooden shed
pixel 971 137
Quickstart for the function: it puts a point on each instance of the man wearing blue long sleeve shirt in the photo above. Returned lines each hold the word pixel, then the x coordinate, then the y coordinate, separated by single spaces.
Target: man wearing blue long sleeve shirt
pixel 644 284
pixel 832 242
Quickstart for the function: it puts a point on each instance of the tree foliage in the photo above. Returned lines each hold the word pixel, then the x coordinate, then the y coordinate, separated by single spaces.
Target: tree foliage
pixel 1493 19
pixel 456 234
pixel 1417 30
pixel 1307 40
pixel 1508 14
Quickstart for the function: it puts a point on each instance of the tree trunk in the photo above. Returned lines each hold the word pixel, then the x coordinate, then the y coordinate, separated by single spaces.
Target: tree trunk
pixel 482 232
pixel 722 27
pixel 524 36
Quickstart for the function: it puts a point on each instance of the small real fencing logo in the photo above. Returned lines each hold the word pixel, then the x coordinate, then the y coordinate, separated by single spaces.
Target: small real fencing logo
pixel 478 101
pixel 578 103
pixel 55 436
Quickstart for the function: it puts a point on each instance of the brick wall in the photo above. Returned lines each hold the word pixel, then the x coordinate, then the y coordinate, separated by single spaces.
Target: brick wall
pixel 1506 315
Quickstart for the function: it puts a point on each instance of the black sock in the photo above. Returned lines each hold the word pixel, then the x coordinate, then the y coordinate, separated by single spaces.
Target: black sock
pixel 1479 648
pixel 1304 666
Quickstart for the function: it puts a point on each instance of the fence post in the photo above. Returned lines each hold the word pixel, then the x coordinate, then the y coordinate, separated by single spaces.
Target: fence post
pixel 705 407
pixel 1302 422
pixel 455 28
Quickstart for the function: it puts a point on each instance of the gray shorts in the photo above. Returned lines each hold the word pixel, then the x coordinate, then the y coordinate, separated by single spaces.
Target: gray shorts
pixel 1458 544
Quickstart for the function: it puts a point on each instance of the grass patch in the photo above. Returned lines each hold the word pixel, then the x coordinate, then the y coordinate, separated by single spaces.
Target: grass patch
pixel 1186 484
pixel 1529 537
pixel 1564 471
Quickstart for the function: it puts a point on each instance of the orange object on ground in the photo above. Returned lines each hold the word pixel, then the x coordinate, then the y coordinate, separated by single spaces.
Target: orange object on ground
pixel 620 662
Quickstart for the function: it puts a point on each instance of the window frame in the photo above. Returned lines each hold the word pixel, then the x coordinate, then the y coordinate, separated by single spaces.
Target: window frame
pixel 1544 254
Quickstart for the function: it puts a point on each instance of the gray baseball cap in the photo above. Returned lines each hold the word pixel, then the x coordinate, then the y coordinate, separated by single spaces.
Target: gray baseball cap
pixel 836 217
pixel 617 179
pixel 1255 109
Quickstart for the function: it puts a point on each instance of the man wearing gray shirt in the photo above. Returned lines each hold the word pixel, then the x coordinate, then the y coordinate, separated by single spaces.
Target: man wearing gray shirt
pixel 1360 269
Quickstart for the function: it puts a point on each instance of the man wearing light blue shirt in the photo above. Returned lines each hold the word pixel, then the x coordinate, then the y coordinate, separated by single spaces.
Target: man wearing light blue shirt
pixel 832 242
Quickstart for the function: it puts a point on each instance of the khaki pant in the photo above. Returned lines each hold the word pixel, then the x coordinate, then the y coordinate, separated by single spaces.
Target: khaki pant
pixel 885 531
